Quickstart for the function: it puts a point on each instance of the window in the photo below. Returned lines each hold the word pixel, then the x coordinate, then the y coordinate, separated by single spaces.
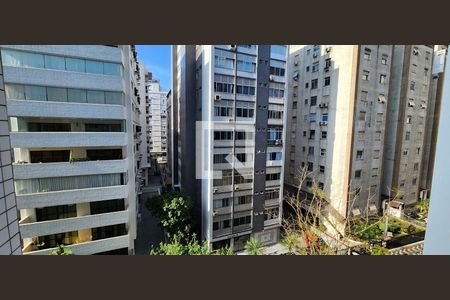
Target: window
pixel 376 154
pixel 295 75
pixel 312 117
pixel 294 105
pixel 364 95
pixel 223 59
pixel 278 49
pixel 323 151
pixel 94 67
pixel 310 150
pixel 407 136
pixel 307 68
pixel 49 156
pixel 315 67
pixel 409 119
pixel 304 133
pixel 111 69
pixel 416 166
pixel 242 221
pixel 244 109
pixel 382 79
pixel 242 135
pixel 327 81
pixel 416 51
pixel 277 71
pixel 314 84
pixel 328 63
pixel 273 176
pixel 219 203
pixel 310 166
pixel 359 155
pixel 313 100
pixel 276 90
pixel 379 118
pixel 405 152
pixel 306 85
pixel 75 65
pixel 412 85
pixel 367 53
pixel 358 173
pixel 321 169
pixel 275 114
pixel 54 62
pixel 272 194
pixel 365 75
pixel 92 127
pixel 362 116
pixel 414 181
pixel 220 158
pixel 324 135
pixel 274 156
pixel 223 84
pixel 312 134
pixel 384 59
pixel 33 92
pixel 426 72
pixel 57 94
pixel 225 180
pixel 223 135
pixel 245 86
pixel 242 200
pixel 324 118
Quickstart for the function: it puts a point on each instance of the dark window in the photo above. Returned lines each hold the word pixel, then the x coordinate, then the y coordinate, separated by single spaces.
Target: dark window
pixel 48 127
pixel 104 154
pixel 56 212
pixel 102 207
pixel 103 127
pixel 49 156
pixel 108 231
pixel 313 100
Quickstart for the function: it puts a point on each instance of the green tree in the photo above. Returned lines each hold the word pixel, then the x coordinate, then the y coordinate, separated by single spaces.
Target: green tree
pixel 378 250
pixel 61 250
pixel 173 209
pixel 254 247
pixel 423 206
pixel 291 242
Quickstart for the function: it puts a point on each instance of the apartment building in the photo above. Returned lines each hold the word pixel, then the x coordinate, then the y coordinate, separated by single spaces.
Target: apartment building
pixel 406 119
pixel 10 242
pixel 74 113
pixel 229 100
pixel 157 125
pixel 432 119
pixel 336 124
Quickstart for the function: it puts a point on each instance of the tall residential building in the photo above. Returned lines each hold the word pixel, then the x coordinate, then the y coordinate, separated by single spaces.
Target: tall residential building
pixel 227 132
pixel 10 242
pixel 336 124
pixel 407 112
pixel 432 119
pixel 157 98
pixel 74 123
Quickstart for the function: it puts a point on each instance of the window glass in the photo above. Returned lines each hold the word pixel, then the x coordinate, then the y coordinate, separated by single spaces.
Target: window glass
pixel 15 91
pixel 33 92
pixel 55 62
pixel 95 97
pixel 57 94
pixel 94 67
pixel 11 58
pixel 111 69
pixel 113 98
pixel 76 95
pixel 75 65
pixel 32 60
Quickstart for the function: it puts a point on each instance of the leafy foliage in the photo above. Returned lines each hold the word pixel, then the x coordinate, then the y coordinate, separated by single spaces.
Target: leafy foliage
pixel 423 206
pixel 378 250
pixel 61 250
pixel 173 210
pixel 368 231
pixel 291 242
pixel 254 247
pixel 184 243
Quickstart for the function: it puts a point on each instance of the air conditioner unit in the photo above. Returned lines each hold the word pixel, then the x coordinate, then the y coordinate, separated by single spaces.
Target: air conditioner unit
pixel 230 120
pixel 278 142
pixel 323 123
pixel 236 187
pixel 232 47
pixel 315 55
pixel 271 78
pixel 217 97
pixel 215 190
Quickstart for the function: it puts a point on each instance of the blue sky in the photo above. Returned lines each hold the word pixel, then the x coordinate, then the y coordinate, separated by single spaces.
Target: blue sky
pixel 156 59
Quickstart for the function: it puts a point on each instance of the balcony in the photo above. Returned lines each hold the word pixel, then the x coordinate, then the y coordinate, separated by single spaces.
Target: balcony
pixel 44 109
pixel 92 247
pixel 71 196
pixel 41 170
pixel 243 207
pixel 274 163
pixel 29 230
pixel 67 139
pixel 221 232
pixel 275 122
pixel 272 183
pixel 271 222
pixel 272 202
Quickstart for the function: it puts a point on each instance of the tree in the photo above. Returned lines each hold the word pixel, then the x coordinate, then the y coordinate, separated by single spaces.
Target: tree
pixel 423 206
pixel 254 247
pixel 184 243
pixel 61 250
pixel 290 241
pixel 173 210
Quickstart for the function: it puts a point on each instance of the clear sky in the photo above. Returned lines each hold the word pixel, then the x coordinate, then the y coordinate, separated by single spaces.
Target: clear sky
pixel 156 59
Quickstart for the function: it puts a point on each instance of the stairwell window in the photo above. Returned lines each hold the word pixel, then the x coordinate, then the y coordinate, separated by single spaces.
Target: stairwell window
pixel 314 84
pixel 367 53
pixel 365 75
pixel 382 79
pixel 327 81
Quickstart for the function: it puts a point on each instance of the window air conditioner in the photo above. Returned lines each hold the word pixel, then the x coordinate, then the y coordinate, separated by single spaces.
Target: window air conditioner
pixel 236 187
pixel 271 78
pixel 232 47
pixel 217 97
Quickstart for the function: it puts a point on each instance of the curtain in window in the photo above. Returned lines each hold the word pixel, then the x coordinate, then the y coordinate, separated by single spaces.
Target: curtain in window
pixel 11 58
pixel 33 92
pixel 15 91
pixel 41 185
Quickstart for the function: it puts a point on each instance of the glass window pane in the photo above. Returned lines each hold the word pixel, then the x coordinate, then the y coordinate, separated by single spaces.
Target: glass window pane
pixel 76 95
pixel 32 60
pixel 111 69
pixel 55 62
pixel 15 91
pixel 57 94
pixel 94 67
pixel 95 97
pixel 33 92
pixel 75 65
pixel 113 98
pixel 11 58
